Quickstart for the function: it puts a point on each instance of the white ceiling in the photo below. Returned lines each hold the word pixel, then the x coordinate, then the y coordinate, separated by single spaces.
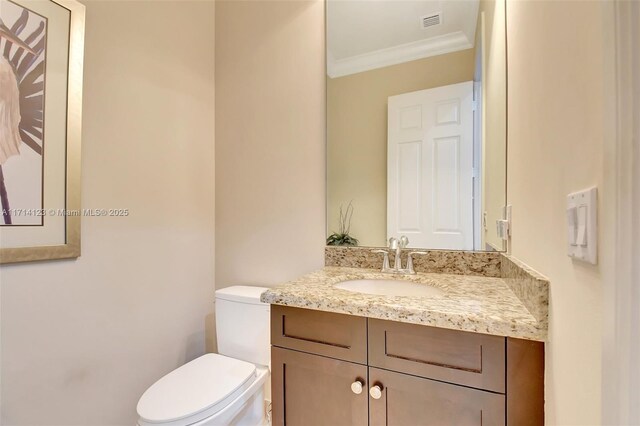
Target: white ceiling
pixel 367 34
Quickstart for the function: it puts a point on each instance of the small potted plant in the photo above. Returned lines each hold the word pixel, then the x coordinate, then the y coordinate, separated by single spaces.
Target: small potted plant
pixel 343 238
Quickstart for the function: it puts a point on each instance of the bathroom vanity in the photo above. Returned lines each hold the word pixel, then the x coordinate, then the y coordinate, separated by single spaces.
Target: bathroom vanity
pixel 378 372
pixel 462 341
pixel 471 355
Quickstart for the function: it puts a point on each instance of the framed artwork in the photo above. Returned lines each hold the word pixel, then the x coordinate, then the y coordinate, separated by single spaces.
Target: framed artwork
pixel 41 55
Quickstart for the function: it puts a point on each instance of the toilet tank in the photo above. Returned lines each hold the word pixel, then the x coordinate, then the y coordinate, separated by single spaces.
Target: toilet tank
pixel 242 324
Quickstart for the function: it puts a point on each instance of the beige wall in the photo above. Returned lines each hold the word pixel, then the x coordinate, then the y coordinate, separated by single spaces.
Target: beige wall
pixel 491 30
pixel 557 83
pixel 357 136
pixel 270 150
pixel 81 340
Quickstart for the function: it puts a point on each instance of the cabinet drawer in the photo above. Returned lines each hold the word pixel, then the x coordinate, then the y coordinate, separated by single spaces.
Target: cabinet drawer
pixel 323 333
pixel 409 401
pixel 470 359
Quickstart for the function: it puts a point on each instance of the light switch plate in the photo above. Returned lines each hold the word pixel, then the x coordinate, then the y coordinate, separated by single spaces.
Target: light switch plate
pixel 582 225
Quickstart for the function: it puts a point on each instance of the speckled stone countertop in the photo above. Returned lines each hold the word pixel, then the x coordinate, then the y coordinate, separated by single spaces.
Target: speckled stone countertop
pixel 468 303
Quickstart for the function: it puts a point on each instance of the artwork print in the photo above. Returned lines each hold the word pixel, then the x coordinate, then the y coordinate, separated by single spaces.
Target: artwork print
pixel 23 36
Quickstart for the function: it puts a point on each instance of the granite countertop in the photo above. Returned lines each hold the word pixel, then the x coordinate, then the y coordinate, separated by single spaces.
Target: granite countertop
pixel 468 303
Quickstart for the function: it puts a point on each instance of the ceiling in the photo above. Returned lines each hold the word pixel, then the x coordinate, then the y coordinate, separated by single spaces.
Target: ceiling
pixel 368 34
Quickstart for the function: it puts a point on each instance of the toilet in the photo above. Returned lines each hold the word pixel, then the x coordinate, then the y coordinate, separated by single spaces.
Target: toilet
pixel 227 388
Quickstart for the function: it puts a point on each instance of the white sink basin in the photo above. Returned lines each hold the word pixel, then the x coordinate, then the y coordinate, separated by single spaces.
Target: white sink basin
pixel 389 288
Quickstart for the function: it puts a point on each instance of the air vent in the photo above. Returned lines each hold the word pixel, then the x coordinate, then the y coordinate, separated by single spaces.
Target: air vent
pixel 431 20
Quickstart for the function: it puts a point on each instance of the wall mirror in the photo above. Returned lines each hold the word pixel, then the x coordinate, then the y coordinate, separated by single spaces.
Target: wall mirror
pixel 416 122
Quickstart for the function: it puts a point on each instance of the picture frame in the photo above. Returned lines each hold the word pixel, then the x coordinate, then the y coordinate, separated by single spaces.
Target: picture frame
pixel 44 222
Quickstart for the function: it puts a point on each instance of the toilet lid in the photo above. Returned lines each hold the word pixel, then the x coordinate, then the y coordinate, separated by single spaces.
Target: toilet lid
pixel 205 385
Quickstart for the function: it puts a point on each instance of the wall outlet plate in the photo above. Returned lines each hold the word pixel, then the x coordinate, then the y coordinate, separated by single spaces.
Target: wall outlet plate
pixel 582 225
pixel 503 226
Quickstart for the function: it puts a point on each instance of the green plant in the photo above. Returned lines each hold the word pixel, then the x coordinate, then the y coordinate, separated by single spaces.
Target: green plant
pixel 342 238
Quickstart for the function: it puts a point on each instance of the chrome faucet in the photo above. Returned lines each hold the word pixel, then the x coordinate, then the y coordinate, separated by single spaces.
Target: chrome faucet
pixel 397 244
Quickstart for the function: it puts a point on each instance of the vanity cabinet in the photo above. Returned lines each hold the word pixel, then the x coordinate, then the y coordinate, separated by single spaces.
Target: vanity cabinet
pixel 334 369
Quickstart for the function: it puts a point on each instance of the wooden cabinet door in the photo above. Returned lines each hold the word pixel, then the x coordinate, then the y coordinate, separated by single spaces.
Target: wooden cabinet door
pixel 413 401
pixel 311 390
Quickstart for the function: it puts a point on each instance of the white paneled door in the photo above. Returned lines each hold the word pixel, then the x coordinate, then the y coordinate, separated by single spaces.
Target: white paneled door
pixel 430 167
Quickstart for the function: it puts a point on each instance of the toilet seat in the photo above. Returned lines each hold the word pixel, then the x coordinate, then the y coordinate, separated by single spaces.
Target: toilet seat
pixel 195 391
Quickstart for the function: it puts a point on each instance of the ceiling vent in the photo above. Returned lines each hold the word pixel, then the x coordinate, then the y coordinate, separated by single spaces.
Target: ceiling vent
pixel 431 20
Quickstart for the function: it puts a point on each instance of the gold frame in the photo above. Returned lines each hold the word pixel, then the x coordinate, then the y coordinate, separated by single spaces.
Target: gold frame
pixel 71 248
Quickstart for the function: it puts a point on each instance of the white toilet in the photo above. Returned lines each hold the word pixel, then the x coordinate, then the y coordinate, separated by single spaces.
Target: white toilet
pixel 219 389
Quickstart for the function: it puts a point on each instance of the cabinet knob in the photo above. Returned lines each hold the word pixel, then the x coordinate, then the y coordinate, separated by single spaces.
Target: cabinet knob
pixel 356 387
pixel 375 392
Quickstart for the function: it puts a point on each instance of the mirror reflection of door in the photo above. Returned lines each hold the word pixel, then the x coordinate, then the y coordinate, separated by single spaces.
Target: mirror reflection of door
pixel 443 186
pixel 430 167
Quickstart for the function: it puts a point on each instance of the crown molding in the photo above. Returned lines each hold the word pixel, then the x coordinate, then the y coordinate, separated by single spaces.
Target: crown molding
pixel 420 49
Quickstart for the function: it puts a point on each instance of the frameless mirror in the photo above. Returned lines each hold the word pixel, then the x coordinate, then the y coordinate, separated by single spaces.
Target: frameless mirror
pixel 416 122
